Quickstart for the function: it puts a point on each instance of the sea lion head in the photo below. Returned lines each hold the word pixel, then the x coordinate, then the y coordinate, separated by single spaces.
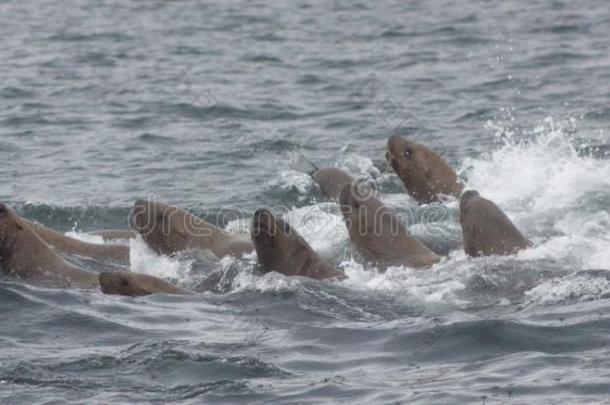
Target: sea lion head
pixel 280 248
pixel 486 229
pixel 10 226
pixel 275 241
pixel 271 237
pixel 467 197
pixel 119 283
pixel 424 174
pixel 7 214
pixel 167 229
pixel 129 284
pixel 136 284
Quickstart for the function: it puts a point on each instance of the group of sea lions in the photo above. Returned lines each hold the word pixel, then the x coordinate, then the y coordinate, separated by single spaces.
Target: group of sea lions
pixel 34 253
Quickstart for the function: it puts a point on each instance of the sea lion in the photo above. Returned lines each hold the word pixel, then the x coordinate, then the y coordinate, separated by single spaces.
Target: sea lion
pixel 280 248
pixel 25 255
pixel 137 284
pixel 168 229
pixel 425 175
pixel 113 234
pixel 486 230
pixel 378 233
pixel 118 254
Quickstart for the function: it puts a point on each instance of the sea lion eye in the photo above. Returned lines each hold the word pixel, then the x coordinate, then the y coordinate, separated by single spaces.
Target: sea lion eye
pixel 287 229
pixel 407 152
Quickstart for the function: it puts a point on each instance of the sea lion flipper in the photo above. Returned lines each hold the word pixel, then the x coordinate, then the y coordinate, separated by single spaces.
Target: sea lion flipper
pixel 301 164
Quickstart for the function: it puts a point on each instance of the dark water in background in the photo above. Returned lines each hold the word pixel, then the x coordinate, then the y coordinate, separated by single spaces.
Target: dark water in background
pixel 205 104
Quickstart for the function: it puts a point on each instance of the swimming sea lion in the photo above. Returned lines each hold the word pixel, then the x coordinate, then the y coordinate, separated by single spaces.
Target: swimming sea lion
pixel 113 234
pixel 486 230
pixel 25 255
pixel 115 253
pixel 378 233
pixel 281 249
pixel 168 229
pixel 137 284
pixel 425 175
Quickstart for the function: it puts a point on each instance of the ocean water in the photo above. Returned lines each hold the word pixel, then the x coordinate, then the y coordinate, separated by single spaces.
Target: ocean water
pixel 207 105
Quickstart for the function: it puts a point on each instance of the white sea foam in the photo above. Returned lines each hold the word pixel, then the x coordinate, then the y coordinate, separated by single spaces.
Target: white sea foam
pixel 292 179
pixel 144 260
pixel 358 166
pixel 537 176
pixel 321 225
pixel 569 288
pixel 557 196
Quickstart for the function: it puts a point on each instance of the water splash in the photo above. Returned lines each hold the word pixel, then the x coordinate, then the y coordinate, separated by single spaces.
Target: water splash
pixel 556 195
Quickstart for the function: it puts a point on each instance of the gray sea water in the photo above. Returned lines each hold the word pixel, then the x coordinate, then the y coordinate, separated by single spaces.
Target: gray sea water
pixel 207 104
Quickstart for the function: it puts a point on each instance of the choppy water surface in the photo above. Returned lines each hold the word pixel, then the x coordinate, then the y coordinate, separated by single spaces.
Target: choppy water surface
pixel 205 105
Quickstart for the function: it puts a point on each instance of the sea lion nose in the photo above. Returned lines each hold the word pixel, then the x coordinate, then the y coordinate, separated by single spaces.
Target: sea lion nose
pixel 259 213
pixel 262 218
pixel 104 280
